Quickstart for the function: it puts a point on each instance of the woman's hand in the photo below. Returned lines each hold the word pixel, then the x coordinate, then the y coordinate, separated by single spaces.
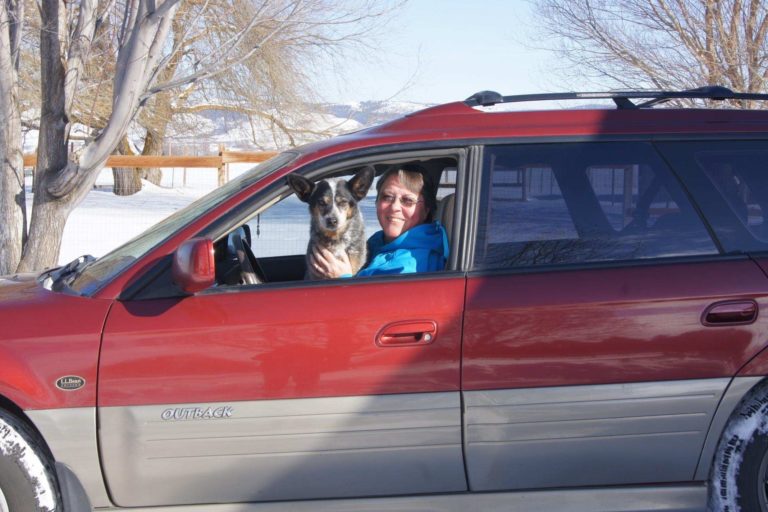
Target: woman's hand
pixel 326 264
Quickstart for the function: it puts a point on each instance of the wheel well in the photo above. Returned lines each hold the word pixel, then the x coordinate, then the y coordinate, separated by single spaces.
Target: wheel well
pixel 738 392
pixel 758 386
pixel 732 458
pixel 12 408
pixel 18 412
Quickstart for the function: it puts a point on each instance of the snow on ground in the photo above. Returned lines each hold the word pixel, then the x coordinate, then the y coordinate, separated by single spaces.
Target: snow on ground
pixel 104 221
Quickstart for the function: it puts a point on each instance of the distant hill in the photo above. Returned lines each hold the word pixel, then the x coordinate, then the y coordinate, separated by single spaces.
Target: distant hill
pixel 371 113
pixel 211 128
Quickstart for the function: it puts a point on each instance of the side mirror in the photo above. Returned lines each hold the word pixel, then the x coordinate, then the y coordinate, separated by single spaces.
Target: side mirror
pixel 193 265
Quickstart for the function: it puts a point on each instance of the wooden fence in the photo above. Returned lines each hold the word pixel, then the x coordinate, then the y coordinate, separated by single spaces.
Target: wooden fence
pixel 218 162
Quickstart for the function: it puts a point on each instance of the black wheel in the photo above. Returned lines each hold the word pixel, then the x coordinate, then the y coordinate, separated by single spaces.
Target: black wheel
pixel 739 480
pixel 27 478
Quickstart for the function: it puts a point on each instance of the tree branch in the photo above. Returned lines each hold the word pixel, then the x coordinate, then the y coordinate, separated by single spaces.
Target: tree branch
pixel 220 67
pixel 80 45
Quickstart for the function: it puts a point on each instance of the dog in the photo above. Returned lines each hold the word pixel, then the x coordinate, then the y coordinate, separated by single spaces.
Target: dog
pixel 336 221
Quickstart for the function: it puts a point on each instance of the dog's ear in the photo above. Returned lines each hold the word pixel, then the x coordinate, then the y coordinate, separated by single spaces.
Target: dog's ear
pixel 361 182
pixel 302 186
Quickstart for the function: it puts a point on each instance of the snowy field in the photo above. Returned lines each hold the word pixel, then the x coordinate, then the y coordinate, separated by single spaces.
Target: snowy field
pixel 104 221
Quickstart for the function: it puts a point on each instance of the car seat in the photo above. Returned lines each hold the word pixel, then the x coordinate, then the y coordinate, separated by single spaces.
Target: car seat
pixel 445 213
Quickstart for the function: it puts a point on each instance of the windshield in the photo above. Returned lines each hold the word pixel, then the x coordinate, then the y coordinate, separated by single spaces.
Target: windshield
pixel 98 273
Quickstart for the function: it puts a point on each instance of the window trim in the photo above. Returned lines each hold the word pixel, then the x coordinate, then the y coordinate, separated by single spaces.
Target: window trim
pixel 599 265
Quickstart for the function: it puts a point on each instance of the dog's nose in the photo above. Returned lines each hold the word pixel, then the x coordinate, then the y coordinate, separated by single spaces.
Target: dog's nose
pixel 332 221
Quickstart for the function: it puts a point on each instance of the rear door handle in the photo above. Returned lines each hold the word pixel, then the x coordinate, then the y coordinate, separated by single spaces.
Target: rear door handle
pixel 407 333
pixel 730 313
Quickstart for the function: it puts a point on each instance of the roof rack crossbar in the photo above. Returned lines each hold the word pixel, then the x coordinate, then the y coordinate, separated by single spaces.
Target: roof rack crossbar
pixel 621 98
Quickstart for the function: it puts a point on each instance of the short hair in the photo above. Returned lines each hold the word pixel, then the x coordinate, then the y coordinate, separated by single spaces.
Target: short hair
pixel 416 179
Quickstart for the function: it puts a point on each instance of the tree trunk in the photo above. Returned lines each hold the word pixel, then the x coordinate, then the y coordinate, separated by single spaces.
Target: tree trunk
pixel 49 215
pixel 153 145
pixel 127 179
pixel 12 197
pixel 46 230
pixel 12 200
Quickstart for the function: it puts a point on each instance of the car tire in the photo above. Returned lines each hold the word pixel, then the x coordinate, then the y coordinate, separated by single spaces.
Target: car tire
pixel 27 478
pixel 739 480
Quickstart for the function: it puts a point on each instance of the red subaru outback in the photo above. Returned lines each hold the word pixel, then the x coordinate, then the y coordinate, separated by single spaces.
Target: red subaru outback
pixel 595 342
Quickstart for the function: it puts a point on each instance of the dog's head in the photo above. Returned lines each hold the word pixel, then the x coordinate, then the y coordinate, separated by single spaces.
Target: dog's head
pixel 333 202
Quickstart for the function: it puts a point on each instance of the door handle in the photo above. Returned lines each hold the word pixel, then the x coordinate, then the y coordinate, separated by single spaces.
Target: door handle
pixel 730 313
pixel 407 333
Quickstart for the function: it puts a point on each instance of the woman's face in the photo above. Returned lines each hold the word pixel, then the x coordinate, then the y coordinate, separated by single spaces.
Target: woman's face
pixel 395 217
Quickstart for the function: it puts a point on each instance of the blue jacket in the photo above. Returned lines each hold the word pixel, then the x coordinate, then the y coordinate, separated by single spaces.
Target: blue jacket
pixel 423 248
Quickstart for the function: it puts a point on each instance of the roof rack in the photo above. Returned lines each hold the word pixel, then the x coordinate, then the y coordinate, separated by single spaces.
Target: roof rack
pixel 623 99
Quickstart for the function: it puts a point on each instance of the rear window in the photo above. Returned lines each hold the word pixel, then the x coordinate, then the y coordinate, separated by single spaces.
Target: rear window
pixel 729 179
pixel 549 204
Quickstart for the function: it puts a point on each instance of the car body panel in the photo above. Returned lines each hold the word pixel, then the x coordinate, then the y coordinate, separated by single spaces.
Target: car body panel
pixel 736 391
pixel 71 435
pixel 644 374
pixel 246 348
pixel 262 344
pixel 655 498
pixel 608 325
pixel 49 336
pixel 629 433
pixel 284 449
pixel 756 366
pixel 457 121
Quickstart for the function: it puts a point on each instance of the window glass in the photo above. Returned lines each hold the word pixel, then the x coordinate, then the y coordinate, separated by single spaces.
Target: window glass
pixel 740 178
pixel 728 180
pixel 282 229
pixel 552 204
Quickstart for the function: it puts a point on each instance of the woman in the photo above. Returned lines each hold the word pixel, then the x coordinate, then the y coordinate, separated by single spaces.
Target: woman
pixel 409 241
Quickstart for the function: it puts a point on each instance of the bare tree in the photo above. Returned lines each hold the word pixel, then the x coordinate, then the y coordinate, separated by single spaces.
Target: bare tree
pixel 12 204
pixel 272 86
pixel 142 51
pixel 665 44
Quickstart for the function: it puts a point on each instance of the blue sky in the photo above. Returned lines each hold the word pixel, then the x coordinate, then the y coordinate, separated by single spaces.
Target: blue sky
pixel 445 50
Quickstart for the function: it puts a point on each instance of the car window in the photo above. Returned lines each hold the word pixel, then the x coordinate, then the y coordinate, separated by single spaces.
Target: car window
pixel 729 180
pixel 274 235
pixel 548 204
pixel 283 228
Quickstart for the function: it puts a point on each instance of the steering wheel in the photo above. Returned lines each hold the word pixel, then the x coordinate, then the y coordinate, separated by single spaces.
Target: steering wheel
pixel 237 246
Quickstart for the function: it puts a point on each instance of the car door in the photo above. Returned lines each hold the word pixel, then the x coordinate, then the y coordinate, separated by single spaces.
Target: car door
pixel 599 334
pixel 282 391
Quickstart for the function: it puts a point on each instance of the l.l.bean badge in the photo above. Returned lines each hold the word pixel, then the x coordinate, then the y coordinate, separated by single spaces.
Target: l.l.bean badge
pixel 70 383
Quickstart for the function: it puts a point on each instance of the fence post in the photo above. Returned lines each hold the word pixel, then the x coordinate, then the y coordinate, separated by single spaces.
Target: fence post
pixel 222 166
